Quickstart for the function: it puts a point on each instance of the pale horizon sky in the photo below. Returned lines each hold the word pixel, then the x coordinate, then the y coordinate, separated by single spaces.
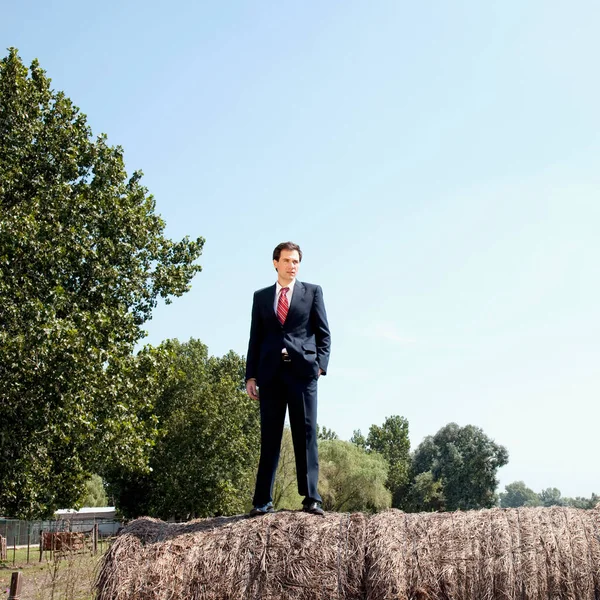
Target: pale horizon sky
pixel 438 164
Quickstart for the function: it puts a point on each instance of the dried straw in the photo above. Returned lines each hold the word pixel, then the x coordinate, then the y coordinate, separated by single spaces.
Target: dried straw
pixel 513 554
pixel 286 555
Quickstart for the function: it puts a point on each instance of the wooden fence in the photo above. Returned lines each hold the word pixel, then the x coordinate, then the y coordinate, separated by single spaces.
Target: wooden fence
pixel 62 541
pixel 68 541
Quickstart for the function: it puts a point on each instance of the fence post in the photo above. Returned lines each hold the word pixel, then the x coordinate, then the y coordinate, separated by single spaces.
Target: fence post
pixel 41 543
pixel 14 549
pixel 15 586
pixel 95 538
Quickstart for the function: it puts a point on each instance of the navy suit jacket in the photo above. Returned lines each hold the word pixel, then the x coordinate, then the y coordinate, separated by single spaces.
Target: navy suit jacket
pixel 305 334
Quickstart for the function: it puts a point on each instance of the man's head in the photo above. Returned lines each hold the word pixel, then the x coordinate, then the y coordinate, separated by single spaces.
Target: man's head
pixel 286 260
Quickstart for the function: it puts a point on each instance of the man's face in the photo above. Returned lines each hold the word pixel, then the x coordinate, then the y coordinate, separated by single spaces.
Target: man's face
pixel 287 266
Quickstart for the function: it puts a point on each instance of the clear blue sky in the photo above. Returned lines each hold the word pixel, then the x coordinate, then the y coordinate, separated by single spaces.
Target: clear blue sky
pixel 437 162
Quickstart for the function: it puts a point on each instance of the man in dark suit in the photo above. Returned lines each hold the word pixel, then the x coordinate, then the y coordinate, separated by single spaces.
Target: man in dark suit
pixel 287 352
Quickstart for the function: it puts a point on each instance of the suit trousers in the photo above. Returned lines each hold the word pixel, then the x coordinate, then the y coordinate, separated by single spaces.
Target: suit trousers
pixel 299 396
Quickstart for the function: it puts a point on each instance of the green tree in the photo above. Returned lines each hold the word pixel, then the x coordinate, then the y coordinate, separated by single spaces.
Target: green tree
pixel 580 502
pixel 83 262
pixel 551 497
pixel 518 494
pixel 392 442
pixel 425 494
pixel 285 489
pixel 465 461
pixel 351 479
pixel 95 494
pixel 326 434
pixel 358 439
pixel 204 460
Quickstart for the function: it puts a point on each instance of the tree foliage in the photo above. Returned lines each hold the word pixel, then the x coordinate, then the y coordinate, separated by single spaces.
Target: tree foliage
pixel 465 461
pixel 95 494
pixel 551 497
pixel 326 434
pixel 586 503
pixel 83 262
pixel 392 442
pixel 517 494
pixel 285 489
pixel 358 439
pixel 351 479
pixel 425 494
pixel 205 457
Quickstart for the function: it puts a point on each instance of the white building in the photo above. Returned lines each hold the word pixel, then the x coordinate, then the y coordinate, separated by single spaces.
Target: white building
pixel 86 517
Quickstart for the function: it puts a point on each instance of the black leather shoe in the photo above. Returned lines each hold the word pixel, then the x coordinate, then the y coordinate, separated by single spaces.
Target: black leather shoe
pixel 314 508
pixel 262 510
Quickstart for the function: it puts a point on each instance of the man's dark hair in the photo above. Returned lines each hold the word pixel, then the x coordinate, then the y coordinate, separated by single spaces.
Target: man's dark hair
pixel 286 246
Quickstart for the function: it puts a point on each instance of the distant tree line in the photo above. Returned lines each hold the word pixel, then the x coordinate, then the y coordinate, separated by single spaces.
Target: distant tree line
pixel 517 494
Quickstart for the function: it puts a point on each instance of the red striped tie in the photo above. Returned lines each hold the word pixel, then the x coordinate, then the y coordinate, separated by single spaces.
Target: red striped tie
pixel 283 305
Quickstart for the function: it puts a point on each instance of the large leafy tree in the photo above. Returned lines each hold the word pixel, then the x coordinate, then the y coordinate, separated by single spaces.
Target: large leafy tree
pixel 83 262
pixel 351 479
pixel 205 457
pixel 95 494
pixel 392 442
pixel 551 497
pixel 517 494
pixel 465 461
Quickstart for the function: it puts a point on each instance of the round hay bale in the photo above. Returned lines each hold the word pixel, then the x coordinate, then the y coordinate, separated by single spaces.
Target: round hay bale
pixel 498 554
pixel 285 555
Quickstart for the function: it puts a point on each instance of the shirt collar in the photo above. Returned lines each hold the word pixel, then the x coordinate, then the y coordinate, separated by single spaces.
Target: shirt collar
pixel 279 287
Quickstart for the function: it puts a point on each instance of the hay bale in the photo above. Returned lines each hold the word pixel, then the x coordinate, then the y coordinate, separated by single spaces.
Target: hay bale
pixel 286 555
pixel 498 554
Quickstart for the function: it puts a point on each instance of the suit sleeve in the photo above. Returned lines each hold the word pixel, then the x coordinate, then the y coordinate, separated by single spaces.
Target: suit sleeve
pixel 321 328
pixel 254 343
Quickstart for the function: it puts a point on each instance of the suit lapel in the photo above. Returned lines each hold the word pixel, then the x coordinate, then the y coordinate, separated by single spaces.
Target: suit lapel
pixel 297 300
pixel 269 301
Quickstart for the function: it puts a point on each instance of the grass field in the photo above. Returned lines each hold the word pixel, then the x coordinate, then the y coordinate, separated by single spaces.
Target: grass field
pixel 68 577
